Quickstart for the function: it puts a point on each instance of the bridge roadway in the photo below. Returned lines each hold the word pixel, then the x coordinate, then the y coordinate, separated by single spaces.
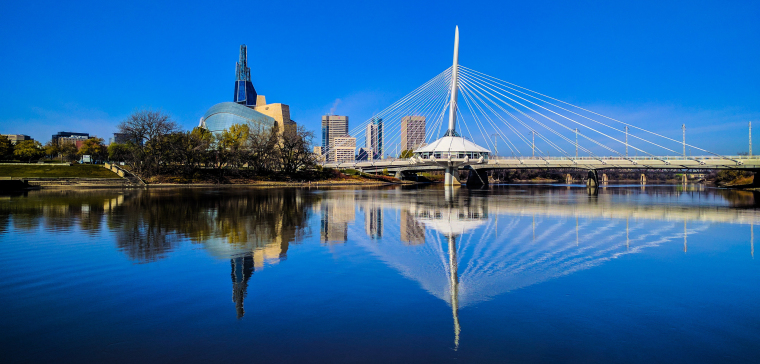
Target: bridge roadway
pixel 459 205
pixel 751 163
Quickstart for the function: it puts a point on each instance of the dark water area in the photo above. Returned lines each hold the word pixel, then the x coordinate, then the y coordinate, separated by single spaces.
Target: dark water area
pixel 510 274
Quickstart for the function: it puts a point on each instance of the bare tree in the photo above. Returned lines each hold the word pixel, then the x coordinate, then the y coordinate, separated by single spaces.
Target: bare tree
pixel 145 125
pixel 147 131
pixel 294 149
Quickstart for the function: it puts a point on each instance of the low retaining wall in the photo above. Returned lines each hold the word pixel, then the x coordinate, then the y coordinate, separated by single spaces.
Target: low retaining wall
pixel 113 168
pixel 45 182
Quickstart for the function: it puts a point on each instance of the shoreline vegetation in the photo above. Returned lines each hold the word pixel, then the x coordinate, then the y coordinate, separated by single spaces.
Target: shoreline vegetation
pixel 153 147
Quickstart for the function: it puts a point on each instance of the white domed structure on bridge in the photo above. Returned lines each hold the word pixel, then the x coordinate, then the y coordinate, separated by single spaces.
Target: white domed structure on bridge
pixel 452 147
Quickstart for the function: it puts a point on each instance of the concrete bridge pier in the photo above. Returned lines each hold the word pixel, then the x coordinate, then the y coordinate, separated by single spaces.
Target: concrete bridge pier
pixel 477 178
pixel 406 176
pixel 604 179
pixel 683 178
pixel 568 178
pixel 451 177
pixel 593 179
pixel 643 179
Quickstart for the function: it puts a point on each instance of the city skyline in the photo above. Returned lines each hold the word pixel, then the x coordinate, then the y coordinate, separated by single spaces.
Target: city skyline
pixel 649 67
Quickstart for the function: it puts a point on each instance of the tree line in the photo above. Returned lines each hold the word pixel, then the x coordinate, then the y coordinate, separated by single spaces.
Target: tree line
pixel 31 150
pixel 156 146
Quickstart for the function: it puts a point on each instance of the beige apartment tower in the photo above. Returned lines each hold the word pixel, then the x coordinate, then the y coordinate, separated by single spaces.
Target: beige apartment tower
pixel 412 132
pixel 342 149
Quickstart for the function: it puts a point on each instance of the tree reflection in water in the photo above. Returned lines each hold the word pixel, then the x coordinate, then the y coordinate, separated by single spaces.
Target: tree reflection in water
pixel 462 246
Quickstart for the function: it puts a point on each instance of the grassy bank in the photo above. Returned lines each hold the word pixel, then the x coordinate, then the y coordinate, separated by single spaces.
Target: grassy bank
pixel 44 171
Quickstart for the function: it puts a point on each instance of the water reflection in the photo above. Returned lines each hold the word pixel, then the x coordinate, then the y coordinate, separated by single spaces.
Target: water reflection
pixel 461 246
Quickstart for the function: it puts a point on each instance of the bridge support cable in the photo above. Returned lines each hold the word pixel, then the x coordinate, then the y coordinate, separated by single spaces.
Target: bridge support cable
pixel 419 93
pixel 470 102
pixel 556 122
pixel 481 86
pixel 500 133
pixel 570 119
pixel 552 144
pixel 532 94
pixel 392 118
pixel 459 112
pixel 541 136
pixel 413 110
pixel 427 108
pixel 428 91
pixel 510 126
pixel 517 132
pixel 470 96
pixel 478 90
pixel 422 90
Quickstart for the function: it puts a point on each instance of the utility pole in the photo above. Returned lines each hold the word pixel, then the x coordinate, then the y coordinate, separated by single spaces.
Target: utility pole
pixel 533 145
pixel 576 143
pixel 495 140
pixel 626 141
pixel 750 138
pixel 683 127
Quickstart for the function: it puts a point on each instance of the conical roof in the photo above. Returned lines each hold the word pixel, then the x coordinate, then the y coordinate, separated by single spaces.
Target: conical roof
pixel 452 144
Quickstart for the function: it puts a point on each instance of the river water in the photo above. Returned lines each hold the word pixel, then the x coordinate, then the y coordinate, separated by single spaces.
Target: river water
pixel 510 274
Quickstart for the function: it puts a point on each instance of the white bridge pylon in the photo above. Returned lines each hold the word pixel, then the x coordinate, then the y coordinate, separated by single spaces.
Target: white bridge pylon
pixel 534 131
pixel 446 151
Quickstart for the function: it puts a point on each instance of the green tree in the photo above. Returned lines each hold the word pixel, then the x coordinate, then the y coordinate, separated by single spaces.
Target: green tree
pixel 233 143
pixel 118 152
pixel 28 150
pixel 52 149
pixel 68 151
pixel 407 153
pixel 6 148
pixel 93 147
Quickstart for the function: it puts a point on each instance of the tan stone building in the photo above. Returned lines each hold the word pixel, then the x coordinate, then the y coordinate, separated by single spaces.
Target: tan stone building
pixel 412 132
pixel 279 112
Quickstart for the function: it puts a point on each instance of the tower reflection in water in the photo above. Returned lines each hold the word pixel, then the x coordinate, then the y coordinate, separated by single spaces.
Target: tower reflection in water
pixel 461 246
pixel 466 248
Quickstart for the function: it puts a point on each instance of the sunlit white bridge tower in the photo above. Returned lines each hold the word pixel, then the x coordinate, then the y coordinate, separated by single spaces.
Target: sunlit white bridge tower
pixel 452 150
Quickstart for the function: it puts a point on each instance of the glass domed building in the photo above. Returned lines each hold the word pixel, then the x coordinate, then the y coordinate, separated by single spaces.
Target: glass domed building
pixel 223 115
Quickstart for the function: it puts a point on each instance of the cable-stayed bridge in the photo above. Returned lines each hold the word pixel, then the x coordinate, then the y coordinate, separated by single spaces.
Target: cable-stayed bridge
pixel 533 130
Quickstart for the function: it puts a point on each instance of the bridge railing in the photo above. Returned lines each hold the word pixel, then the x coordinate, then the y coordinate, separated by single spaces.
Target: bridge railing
pixel 636 158
pixel 639 158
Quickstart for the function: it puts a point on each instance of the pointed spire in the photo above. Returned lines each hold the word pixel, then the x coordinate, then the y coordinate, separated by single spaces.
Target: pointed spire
pixel 454 87
pixel 242 72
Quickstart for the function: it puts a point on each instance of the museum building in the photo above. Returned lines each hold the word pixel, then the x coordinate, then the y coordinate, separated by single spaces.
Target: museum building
pixel 247 106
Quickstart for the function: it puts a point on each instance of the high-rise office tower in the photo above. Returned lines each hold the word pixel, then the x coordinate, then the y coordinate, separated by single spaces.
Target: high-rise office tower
pixel 412 132
pixel 373 137
pixel 332 126
pixel 245 94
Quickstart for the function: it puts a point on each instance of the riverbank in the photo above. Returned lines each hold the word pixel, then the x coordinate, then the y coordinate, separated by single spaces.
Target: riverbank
pixel 56 171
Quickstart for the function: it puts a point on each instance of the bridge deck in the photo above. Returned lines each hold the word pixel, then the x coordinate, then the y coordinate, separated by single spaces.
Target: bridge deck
pixel 669 162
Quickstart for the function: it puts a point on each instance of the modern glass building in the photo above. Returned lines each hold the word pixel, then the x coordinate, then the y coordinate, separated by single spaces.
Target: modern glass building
pixel 245 94
pixel 223 115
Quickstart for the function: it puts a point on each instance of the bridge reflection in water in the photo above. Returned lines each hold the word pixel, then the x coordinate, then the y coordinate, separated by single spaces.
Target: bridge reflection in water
pixel 466 247
pixel 461 246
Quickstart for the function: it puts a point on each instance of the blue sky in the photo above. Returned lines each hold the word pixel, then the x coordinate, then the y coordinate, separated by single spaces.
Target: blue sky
pixel 84 66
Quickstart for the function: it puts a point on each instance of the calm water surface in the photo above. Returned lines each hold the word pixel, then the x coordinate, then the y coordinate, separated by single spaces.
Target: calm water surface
pixel 510 274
